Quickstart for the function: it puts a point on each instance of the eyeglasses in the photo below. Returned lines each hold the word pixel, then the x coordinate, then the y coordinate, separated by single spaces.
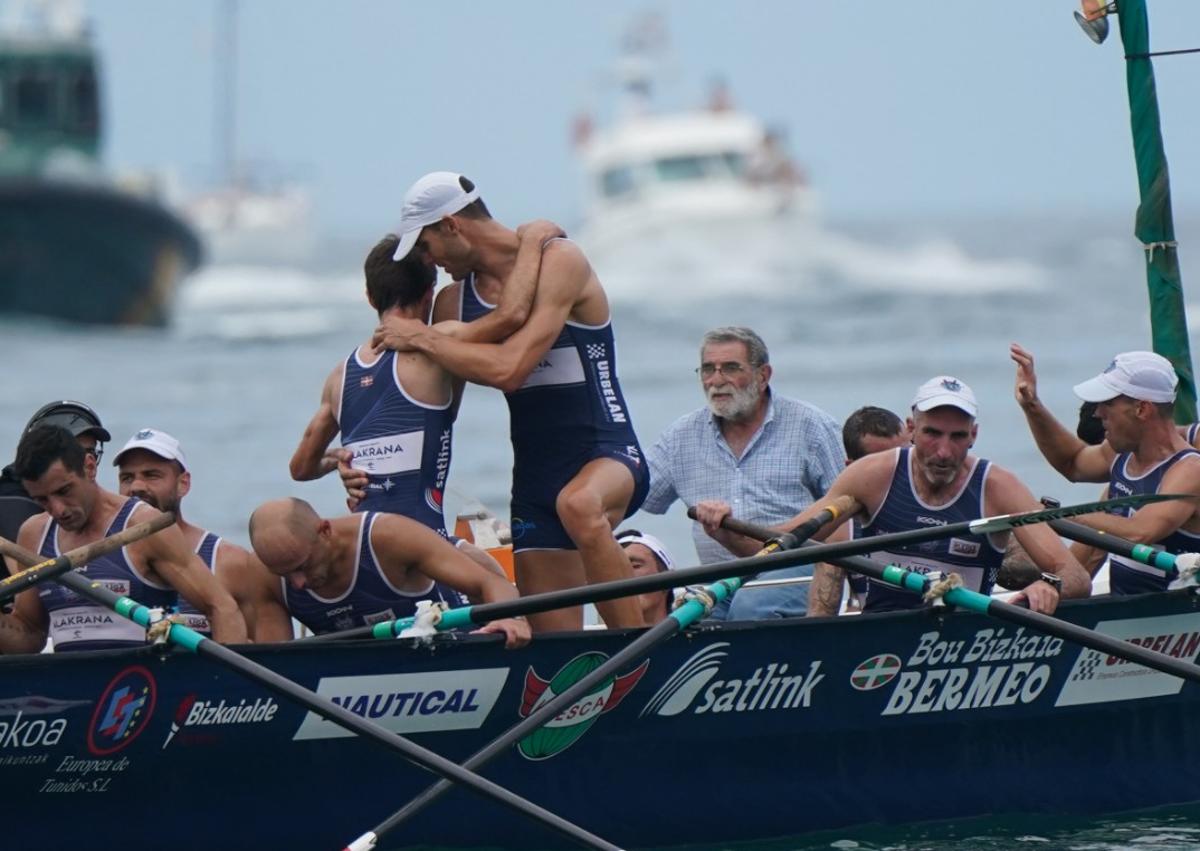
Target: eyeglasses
pixel 730 369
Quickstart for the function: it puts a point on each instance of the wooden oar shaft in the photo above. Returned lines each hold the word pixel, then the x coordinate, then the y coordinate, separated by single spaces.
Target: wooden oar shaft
pixel 678 620
pixel 982 603
pixel 753 564
pixel 40 571
pixel 327 709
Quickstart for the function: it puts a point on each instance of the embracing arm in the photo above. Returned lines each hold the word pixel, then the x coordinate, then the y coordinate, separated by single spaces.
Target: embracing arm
pixel 1074 459
pixel 311 460
pixel 520 287
pixel 506 365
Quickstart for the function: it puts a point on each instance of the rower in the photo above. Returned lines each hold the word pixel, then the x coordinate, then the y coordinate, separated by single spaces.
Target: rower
pixel 152 466
pixel 61 478
pixel 936 481
pixel 338 573
pixel 1143 452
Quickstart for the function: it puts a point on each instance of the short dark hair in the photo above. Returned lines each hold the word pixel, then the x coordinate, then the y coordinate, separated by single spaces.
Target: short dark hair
pixel 1090 430
pixel 868 419
pixel 476 209
pixel 397 283
pixel 41 446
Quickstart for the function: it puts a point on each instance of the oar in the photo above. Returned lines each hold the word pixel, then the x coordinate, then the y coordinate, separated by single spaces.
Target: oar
pixel 197 643
pixel 475 615
pixel 1142 553
pixel 681 618
pixel 14 584
pixel 918 583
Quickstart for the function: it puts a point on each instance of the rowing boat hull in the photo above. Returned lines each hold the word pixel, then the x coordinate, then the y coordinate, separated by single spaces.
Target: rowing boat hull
pixel 734 733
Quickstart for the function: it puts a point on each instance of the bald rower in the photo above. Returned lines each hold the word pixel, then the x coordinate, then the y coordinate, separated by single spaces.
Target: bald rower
pixel 333 574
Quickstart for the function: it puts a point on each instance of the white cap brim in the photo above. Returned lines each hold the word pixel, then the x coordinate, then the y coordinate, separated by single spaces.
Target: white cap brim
pixel 407 241
pixel 1096 390
pixel 950 400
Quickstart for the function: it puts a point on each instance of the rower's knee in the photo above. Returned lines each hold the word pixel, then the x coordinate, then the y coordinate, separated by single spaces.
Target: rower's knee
pixel 582 515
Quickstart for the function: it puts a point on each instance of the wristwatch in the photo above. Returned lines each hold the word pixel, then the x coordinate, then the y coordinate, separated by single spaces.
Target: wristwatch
pixel 1053 581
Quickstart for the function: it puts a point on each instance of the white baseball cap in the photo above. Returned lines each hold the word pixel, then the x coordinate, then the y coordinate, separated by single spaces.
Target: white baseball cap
pixel 157 442
pixel 1138 375
pixel 945 390
pixel 653 544
pixel 437 194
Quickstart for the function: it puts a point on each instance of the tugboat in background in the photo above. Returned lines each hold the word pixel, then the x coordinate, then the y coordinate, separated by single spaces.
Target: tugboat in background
pixel 73 245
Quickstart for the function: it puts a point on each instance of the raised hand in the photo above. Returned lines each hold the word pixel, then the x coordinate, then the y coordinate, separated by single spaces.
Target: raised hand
pixel 1025 389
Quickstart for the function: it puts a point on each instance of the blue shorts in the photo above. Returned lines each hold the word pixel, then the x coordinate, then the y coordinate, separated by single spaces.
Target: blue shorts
pixel 535 523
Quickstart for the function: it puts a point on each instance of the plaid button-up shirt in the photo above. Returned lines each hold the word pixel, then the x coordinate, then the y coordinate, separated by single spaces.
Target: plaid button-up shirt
pixel 789 462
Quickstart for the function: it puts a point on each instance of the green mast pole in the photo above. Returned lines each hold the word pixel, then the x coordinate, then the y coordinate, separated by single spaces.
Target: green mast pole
pixel 1155 227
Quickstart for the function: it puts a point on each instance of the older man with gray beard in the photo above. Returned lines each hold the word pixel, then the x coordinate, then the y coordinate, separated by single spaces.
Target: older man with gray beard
pixel 757 451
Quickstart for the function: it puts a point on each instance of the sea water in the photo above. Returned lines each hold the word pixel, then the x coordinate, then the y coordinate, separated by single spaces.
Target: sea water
pixel 861 314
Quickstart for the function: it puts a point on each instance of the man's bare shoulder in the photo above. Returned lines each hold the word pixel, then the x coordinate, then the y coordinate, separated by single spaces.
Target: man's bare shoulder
pixel 446 301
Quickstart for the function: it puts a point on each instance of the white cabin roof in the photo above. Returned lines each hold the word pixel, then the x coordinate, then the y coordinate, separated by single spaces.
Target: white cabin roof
pixel 652 137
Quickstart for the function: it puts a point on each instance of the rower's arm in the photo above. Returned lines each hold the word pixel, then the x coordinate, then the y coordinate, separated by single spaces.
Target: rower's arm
pixel 26 628
pixel 1070 456
pixel 311 460
pixel 168 555
pixel 1151 523
pixel 520 287
pixel 258 594
pixel 506 365
pixel 828 583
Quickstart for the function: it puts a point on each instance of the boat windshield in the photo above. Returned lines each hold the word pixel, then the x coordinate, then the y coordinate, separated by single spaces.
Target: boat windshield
pixel 623 180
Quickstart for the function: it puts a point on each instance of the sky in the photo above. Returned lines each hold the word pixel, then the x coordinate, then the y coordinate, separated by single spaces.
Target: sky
pixel 930 108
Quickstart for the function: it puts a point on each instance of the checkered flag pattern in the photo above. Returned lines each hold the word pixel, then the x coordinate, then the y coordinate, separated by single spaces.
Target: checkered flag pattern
pixel 595 351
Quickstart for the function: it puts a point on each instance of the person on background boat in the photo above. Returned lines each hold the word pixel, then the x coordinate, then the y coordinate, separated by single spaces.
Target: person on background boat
pixel 936 481
pixel 648 556
pixel 1142 452
pixel 77 418
pixel 762 453
pixel 152 466
pixel 333 574
pixel 61 477
pixel 577 466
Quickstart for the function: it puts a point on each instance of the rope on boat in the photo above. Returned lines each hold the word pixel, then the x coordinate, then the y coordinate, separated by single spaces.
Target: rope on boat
pixel 700 595
pixel 159 628
pixel 1188 565
pixel 939 589
pixel 424 625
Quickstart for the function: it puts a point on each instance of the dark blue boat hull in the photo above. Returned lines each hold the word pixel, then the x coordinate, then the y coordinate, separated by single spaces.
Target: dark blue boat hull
pixel 735 733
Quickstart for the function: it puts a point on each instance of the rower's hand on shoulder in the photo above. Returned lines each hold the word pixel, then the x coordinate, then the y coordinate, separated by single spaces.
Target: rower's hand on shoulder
pixel 1025 388
pixel 1041 597
pixel 354 481
pixel 539 231
pixel 398 334
pixel 515 631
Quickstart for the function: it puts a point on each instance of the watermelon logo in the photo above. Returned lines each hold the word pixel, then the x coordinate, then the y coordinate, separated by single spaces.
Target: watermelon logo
pixel 875 672
pixel 566 728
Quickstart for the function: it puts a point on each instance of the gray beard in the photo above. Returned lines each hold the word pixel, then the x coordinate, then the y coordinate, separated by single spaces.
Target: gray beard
pixel 741 406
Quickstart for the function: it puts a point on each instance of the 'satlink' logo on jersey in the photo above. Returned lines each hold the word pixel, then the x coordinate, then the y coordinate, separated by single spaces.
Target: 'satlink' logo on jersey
pixel 569 725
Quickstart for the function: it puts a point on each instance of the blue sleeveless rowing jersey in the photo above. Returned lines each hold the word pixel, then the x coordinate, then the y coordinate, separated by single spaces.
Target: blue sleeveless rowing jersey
pixel 470 305
pixel 193 617
pixel 77 623
pixel 975 558
pixel 403 445
pixel 1126 576
pixel 369 600
pixel 1191 433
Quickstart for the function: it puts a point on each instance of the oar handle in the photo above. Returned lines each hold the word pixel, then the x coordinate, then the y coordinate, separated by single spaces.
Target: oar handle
pixel 39 570
pixel 832 510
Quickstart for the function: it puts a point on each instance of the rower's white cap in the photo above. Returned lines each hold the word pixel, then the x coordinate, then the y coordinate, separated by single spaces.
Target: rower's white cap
pixel 157 442
pixel 437 194
pixel 945 390
pixel 653 544
pixel 1138 375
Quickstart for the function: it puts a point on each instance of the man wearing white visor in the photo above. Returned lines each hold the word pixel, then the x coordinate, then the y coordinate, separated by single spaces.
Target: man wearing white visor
pixel 1143 452
pixel 577 465
pixel 936 481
